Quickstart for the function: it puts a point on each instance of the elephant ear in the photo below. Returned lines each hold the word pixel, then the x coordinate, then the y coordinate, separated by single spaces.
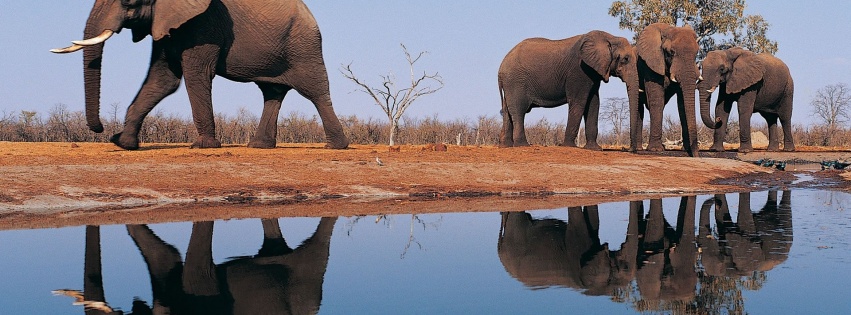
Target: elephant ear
pixel 171 14
pixel 748 69
pixel 596 52
pixel 649 46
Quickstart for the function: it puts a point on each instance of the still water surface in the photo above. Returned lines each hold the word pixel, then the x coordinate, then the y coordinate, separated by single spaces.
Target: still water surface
pixel 772 252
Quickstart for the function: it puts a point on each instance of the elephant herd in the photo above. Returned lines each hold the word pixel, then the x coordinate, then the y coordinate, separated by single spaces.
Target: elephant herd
pixel 548 73
pixel 278 46
pixel 665 263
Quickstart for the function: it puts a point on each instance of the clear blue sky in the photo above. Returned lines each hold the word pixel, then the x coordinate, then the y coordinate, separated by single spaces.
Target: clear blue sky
pixel 466 42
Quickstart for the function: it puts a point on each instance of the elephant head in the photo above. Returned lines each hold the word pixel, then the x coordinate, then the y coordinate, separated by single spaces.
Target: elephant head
pixel 734 69
pixel 667 56
pixel 609 56
pixel 143 17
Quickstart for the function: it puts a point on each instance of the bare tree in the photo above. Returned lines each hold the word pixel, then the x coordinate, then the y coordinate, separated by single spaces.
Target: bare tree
pixel 832 104
pixel 394 101
pixel 616 110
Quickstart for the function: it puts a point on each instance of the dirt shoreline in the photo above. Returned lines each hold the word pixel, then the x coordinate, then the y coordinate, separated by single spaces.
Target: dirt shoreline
pixel 60 184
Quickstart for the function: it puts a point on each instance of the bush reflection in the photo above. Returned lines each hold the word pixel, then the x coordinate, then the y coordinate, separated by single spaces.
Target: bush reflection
pixel 658 266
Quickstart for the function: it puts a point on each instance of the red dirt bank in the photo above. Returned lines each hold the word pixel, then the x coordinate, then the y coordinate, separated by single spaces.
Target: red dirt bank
pixel 60 179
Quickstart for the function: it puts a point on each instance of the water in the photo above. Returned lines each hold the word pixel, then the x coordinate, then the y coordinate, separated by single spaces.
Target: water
pixel 768 253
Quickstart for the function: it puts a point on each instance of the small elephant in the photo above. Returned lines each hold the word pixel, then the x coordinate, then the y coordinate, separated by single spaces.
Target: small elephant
pixel 758 83
pixel 275 44
pixel 666 67
pixel 540 72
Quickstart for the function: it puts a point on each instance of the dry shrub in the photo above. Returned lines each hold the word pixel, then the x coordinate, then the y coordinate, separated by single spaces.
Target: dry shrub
pixel 62 125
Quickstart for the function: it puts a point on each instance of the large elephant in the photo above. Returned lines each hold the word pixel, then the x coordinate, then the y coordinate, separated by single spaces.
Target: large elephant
pixel 275 44
pixel 278 280
pixel 540 72
pixel 754 242
pixel 758 83
pixel 666 67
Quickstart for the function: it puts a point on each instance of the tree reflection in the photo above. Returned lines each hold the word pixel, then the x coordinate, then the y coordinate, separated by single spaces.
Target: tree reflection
pixel 659 267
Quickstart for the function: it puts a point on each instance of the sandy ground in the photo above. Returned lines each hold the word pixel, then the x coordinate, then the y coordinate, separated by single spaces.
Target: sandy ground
pixel 60 184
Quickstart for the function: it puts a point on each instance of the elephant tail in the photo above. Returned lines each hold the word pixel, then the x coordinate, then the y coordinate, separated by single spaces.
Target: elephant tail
pixel 504 109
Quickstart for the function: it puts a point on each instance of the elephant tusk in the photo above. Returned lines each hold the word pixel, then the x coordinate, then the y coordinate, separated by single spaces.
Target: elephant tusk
pixel 710 90
pixel 673 79
pixel 700 78
pixel 66 50
pixel 640 91
pixel 95 40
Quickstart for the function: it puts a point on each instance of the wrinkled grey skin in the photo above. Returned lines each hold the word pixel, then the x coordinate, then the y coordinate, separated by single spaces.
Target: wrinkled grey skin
pixel 275 44
pixel 666 67
pixel 278 280
pixel 758 83
pixel 547 73
pixel 754 242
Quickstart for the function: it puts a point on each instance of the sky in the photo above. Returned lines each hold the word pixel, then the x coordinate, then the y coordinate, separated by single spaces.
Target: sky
pixel 465 42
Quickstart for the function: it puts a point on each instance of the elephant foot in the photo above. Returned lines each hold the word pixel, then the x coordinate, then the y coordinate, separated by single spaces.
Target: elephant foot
pixel 593 146
pixel 773 148
pixel 655 147
pixel 716 148
pixel 569 144
pixel 789 148
pixel 205 143
pixel 261 144
pixel 337 144
pixel 745 149
pixel 125 142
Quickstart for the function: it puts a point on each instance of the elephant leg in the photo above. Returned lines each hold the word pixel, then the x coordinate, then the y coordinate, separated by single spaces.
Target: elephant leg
pixel 199 276
pixel 656 105
pixel 745 105
pixel 575 112
pixel 722 112
pixel 274 243
pixel 162 80
pixel 267 130
pixel 785 115
pixel 165 267
pixel 506 137
pixel 93 279
pixel 517 108
pixel 592 117
pixel 201 61
pixel 313 85
pixel 773 134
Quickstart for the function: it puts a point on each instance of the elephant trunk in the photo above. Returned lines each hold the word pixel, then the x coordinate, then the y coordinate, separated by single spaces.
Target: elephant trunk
pixel 92 57
pixel 633 93
pixel 105 19
pixel 705 98
pixel 689 120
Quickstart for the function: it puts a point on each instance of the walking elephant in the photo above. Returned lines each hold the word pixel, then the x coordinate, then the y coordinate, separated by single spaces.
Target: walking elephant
pixel 666 67
pixel 540 72
pixel 758 83
pixel 275 44
pixel 278 280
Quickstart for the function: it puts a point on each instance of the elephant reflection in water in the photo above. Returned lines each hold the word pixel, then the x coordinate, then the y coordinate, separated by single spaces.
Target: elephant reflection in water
pixel 278 280
pixel 550 252
pixel 755 242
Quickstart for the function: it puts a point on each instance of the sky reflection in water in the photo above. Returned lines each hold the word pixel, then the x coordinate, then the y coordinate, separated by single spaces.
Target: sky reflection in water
pixel 762 252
